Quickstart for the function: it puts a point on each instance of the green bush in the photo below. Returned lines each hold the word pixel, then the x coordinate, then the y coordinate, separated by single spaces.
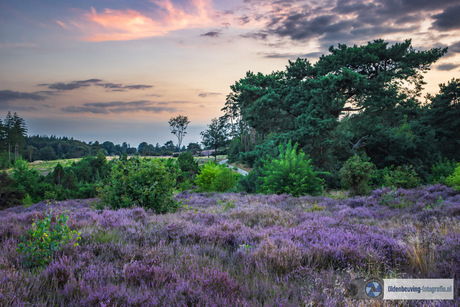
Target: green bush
pixel 10 196
pixel 454 179
pixel 207 175
pixel 215 177
pixel 187 163
pixel 290 173
pixel 44 238
pixel 441 170
pixel 402 177
pixel 356 174
pixel 225 180
pixel 139 182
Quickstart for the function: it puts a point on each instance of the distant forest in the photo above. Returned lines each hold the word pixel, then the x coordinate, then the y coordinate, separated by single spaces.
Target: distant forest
pixel 15 143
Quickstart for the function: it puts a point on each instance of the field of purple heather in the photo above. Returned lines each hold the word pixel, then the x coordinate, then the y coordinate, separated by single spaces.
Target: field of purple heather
pixel 237 250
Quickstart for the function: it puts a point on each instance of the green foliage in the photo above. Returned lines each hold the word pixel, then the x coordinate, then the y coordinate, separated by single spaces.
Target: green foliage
pixel 27 201
pixel 213 177
pixel 208 174
pixel 187 163
pixel 250 183
pixel 441 170
pixel 403 176
pixel 356 174
pixel 10 196
pixel 454 179
pixel 139 182
pixel 290 173
pixel 225 180
pixel 44 238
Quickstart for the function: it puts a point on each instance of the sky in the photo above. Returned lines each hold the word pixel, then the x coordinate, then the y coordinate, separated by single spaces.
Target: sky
pixel 118 70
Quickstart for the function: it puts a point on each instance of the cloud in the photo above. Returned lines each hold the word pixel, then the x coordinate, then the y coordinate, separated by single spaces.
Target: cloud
pixel 61 86
pixel 163 17
pixel 215 33
pixel 455 47
pixel 206 94
pixel 7 95
pixel 447 66
pixel 120 107
pixel 117 87
pixel 80 109
pixel 448 19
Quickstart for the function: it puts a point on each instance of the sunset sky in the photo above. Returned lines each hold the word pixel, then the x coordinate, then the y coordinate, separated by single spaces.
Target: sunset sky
pixel 118 70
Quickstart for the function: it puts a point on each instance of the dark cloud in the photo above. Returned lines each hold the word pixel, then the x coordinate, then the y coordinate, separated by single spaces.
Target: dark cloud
pixel 120 107
pixel 137 87
pixel 448 20
pixel 455 47
pixel 111 85
pixel 448 66
pixel 206 94
pixel 118 104
pixel 244 20
pixel 7 95
pixel 61 86
pixel 215 33
pixel 80 109
pixel 348 21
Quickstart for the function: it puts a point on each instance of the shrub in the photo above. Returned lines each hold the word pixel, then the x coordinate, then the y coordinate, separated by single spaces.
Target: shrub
pixel 290 173
pixel 9 195
pixel 454 179
pixel 216 178
pixel 207 176
pixel 142 182
pixel 44 238
pixel 356 174
pixel 402 177
pixel 225 180
pixel 441 170
pixel 187 163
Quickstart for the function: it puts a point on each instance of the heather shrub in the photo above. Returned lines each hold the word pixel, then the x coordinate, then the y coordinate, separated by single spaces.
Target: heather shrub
pixel 290 173
pixel 454 179
pixel 139 182
pixel 44 238
pixel 356 174
pixel 402 177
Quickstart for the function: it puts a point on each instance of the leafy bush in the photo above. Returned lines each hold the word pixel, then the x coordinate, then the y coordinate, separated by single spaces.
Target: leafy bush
pixel 44 238
pixel 356 174
pixel 441 170
pixel 454 179
pixel 141 182
pixel 402 177
pixel 10 196
pixel 225 180
pixel 250 182
pixel 187 163
pixel 290 173
pixel 216 178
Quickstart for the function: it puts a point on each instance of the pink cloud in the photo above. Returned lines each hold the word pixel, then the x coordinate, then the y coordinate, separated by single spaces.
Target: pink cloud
pixel 131 24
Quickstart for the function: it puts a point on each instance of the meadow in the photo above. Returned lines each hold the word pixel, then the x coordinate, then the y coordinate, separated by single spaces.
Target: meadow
pixel 235 249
